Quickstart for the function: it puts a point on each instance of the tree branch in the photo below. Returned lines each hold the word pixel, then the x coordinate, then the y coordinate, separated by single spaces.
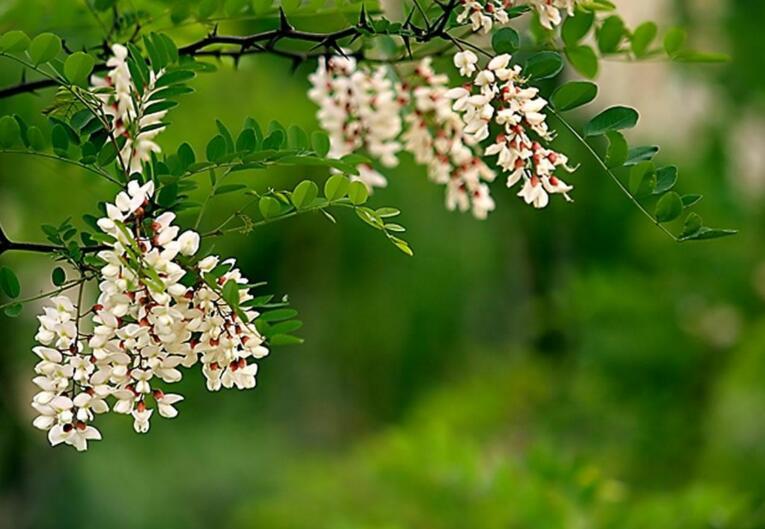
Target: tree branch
pixel 265 42
pixel 6 245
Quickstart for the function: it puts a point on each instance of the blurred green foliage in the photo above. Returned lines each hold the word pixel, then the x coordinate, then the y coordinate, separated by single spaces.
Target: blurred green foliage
pixel 566 368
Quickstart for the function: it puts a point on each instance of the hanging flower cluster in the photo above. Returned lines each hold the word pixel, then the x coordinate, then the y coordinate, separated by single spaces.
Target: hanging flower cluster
pixel 359 110
pixel 129 110
pixel 444 127
pixel 483 14
pixel 499 96
pixel 435 137
pixel 149 320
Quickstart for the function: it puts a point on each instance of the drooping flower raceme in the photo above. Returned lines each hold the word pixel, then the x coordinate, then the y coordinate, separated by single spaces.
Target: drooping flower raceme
pixel 435 136
pixel 133 120
pixel 499 95
pixel 158 309
pixel 360 111
pixel 444 128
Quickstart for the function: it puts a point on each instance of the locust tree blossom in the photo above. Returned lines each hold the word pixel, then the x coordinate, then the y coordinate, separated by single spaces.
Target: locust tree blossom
pixel 499 96
pixel 435 137
pixel 130 111
pixel 159 308
pixel 360 110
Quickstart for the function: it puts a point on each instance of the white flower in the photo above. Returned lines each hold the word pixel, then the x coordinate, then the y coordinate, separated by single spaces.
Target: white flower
pixel 189 242
pixel 141 416
pixel 165 404
pixel 76 435
pixel 534 193
pixel 465 61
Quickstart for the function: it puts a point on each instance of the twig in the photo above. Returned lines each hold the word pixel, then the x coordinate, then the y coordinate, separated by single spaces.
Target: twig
pixel 611 174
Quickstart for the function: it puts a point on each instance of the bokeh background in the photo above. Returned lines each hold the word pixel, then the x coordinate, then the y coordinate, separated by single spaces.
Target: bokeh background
pixel 566 368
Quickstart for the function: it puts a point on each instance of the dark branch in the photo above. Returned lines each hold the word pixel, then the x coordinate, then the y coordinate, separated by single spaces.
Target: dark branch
pixel 7 245
pixel 266 41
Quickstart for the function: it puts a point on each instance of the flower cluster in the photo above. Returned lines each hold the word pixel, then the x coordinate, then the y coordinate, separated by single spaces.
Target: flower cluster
pixel 359 110
pixel 436 138
pixel 157 310
pixel 127 108
pixel 498 95
pixel 483 14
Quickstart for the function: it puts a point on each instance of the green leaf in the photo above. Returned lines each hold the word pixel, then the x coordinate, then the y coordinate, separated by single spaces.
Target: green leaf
pixel 59 139
pixel 505 40
pixel 336 187
pixel 10 132
pixel 543 65
pixel 44 47
pixel 78 66
pixel 320 142
pixel 610 34
pixel 669 207
pixel 358 192
pixel 269 207
pixel 186 155
pixel 284 339
pixel 573 95
pixel 666 178
pixel 614 118
pixel 297 138
pixel 278 315
pixel 386 213
pixel 247 141
pixel 642 38
pixel 229 188
pixel 705 233
pixel 230 293
pixel 575 28
pixel 14 41
pixel 167 195
pixel 584 60
pixel 274 140
pixel 674 41
pixel 58 276
pixel 216 149
pixel 36 138
pixel 9 283
pixel 693 223
pixel 224 132
pixel 690 200
pixel 304 194
pixel 13 311
pixel 618 148
pixel 107 154
pixel 643 179
pixel 641 154
pixel 402 245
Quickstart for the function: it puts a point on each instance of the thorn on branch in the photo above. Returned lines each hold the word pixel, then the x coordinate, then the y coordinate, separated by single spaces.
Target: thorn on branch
pixel 284 24
pixel 363 22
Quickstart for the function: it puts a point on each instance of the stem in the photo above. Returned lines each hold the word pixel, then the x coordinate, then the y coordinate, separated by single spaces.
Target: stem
pixel 610 173
pixel 263 222
pixel 93 170
pixel 62 288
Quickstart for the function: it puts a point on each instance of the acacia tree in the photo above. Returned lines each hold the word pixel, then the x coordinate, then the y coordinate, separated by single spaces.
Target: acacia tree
pixel 452 83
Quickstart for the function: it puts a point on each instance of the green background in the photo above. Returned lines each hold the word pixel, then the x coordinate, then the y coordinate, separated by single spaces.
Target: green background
pixel 566 368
